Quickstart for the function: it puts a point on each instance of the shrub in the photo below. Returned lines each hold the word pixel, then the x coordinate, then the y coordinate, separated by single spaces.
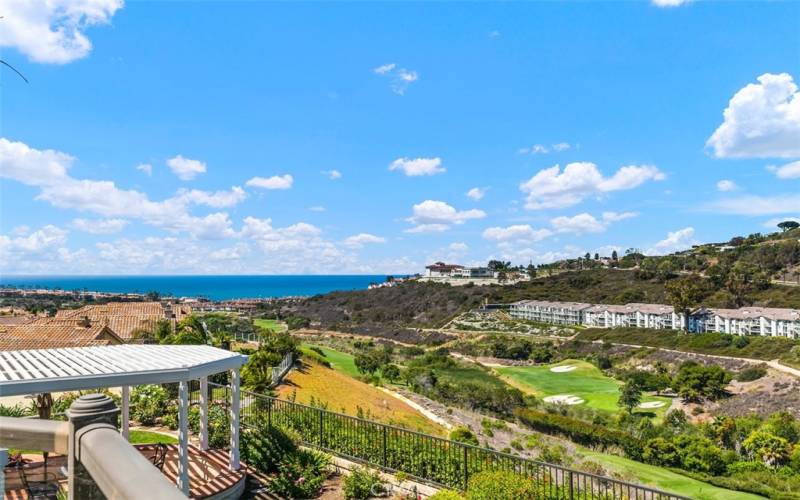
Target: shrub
pixel 446 495
pixel 263 447
pixel 500 485
pixel 751 373
pixel 301 474
pixel 17 410
pixel 148 402
pixel 362 483
pixel 464 435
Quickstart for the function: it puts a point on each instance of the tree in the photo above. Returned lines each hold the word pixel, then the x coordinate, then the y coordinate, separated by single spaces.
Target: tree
pixel 695 381
pixel 588 256
pixel 630 395
pixel 683 294
pixel 531 271
pixel 788 225
pixel 390 372
pixel 498 265
pixel 596 256
pixel 767 447
pixel 614 256
pixel 257 372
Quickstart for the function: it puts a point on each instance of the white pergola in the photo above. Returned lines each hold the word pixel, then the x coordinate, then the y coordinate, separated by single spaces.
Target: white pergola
pixel 79 368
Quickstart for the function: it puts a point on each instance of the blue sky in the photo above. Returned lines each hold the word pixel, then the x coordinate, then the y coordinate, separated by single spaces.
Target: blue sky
pixel 226 138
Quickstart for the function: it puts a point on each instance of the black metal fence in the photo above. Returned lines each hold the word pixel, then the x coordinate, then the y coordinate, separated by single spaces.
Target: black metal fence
pixel 427 458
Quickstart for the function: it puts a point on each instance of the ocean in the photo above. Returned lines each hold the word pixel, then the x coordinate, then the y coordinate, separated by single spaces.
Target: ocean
pixel 211 287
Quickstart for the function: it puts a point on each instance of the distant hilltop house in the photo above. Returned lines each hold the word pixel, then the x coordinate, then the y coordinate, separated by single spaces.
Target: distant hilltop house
pixel 764 321
pixel 442 270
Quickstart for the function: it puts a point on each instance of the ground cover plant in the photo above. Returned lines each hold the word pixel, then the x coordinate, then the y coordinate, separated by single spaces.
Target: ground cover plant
pixel 766 348
pixel 273 325
pixel 313 382
pixel 582 380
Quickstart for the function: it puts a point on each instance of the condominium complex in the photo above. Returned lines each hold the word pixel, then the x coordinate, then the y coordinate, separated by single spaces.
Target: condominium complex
pixel 764 321
pixel 558 313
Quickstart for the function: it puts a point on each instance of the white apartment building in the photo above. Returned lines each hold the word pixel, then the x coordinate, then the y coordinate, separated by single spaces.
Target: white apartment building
pixel 557 313
pixel 606 316
pixel 766 321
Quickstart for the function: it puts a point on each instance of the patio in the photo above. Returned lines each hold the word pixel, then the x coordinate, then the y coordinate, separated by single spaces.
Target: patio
pixel 197 471
pixel 209 473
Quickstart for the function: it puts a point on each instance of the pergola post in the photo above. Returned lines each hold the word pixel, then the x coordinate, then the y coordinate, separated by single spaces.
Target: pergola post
pixel 126 411
pixel 234 418
pixel 204 413
pixel 183 437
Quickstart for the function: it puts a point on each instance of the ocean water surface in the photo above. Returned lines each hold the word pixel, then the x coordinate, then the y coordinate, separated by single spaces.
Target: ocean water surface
pixel 212 287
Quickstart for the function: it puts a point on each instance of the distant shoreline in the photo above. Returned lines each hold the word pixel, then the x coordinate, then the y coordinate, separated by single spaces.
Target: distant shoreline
pixel 197 287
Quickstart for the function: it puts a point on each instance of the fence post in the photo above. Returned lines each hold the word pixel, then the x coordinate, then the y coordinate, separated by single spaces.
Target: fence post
pixel 321 432
pixel 269 412
pixel 571 492
pixel 385 451
pixel 466 470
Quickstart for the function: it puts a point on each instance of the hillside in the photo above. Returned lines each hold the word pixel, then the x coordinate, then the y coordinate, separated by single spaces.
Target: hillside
pixel 389 312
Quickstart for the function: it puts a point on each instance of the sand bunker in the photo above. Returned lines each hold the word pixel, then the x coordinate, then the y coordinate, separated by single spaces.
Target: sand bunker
pixel 563 399
pixel 652 404
pixel 562 369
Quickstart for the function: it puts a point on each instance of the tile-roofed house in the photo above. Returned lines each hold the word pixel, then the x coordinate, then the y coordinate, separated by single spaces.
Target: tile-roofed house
pixel 56 335
pixel 129 319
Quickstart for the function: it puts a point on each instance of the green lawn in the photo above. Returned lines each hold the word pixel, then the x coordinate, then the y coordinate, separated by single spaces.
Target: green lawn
pixel 147 437
pixel 664 479
pixel 269 324
pixel 340 361
pixel 586 381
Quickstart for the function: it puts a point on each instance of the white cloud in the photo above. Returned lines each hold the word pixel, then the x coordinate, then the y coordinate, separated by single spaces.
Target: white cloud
pixel 317 208
pixel 458 247
pixel 146 168
pixel 400 78
pixel 674 242
pixel 476 193
pixel 788 171
pixel 762 120
pixel 39 241
pixel 561 146
pixel 726 185
pixel 516 232
pixel 31 166
pixel 185 168
pixel 274 182
pixel 587 223
pixel 437 216
pixel 554 188
pixel 332 174
pixel 99 226
pixel 47 169
pixel 418 166
pixel 361 239
pixel 756 205
pixel 428 228
pixel 52 31
pixel 669 3
pixel 384 68
pixel 540 149
pixel 495 34
pixel 218 199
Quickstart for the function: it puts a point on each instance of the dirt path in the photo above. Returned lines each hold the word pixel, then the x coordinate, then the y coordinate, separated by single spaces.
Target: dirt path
pixel 425 411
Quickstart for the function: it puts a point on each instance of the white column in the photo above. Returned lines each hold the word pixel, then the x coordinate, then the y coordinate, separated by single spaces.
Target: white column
pixel 234 418
pixel 204 413
pixel 126 411
pixel 183 437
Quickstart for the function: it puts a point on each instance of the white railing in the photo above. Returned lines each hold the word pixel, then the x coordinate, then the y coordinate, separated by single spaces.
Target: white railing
pixel 280 371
